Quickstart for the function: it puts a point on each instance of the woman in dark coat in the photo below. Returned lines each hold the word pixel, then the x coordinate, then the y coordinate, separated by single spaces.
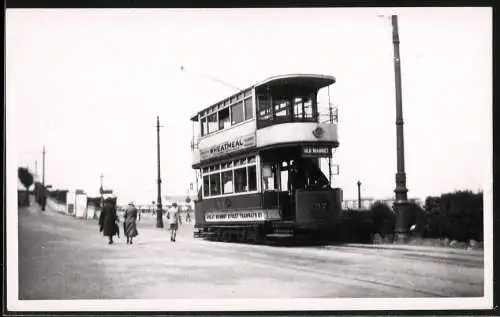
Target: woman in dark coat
pixel 130 222
pixel 107 220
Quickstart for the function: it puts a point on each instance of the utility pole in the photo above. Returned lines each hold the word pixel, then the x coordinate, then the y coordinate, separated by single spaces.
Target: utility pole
pixel 159 211
pixel 359 194
pixel 101 191
pixel 401 201
pixel 44 193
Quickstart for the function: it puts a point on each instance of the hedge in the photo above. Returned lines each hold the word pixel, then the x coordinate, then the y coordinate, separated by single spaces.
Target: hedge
pixel 384 219
pixel 456 216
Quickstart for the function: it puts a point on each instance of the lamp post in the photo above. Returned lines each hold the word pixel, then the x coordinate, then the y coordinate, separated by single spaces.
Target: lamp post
pixel 159 211
pixel 401 201
pixel 44 190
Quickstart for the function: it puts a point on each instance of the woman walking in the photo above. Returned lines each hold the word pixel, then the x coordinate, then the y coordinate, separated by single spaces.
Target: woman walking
pixel 107 220
pixel 130 222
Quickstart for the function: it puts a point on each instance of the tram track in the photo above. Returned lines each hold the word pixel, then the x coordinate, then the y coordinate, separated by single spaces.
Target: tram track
pixel 437 256
pixel 340 268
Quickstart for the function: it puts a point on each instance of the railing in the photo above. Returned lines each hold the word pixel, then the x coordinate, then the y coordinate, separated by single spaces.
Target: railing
pixel 325 116
pixel 367 203
pixel 195 144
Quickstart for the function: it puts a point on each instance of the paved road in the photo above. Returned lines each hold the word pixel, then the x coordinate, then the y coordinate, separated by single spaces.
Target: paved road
pixel 65 258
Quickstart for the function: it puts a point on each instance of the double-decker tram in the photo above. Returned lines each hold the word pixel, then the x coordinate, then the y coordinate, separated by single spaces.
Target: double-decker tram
pixel 257 154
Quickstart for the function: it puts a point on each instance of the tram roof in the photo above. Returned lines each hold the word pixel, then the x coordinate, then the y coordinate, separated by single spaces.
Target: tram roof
pixel 314 81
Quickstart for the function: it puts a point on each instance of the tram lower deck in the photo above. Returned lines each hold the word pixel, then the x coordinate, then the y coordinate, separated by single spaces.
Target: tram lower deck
pixel 295 198
pixel 269 214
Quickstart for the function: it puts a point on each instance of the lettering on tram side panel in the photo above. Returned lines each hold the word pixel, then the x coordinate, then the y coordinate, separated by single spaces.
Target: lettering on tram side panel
pixel 230 146
pixel 316 151
pixel 243 215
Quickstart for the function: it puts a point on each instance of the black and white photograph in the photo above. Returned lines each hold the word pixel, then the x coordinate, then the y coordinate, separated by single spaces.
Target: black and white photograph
pixel 249 159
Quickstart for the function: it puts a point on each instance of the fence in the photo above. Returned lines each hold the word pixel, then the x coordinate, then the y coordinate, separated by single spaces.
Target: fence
pixel 88 213
pixel 367 203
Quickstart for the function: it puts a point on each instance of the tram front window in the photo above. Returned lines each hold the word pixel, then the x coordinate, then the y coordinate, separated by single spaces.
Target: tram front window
pixel 286 106
pixel 302 108
pixel 281 109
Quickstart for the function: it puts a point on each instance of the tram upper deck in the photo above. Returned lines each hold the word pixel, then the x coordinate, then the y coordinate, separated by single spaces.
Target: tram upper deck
pixel 279 111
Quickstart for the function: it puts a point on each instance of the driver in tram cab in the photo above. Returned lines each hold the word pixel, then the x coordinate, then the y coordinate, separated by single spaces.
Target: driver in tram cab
pixel 296 178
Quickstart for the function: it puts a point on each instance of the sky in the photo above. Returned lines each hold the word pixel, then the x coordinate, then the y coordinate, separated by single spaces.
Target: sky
pixel 88 84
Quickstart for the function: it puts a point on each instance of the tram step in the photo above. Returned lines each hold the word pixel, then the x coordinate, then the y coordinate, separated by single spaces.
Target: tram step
pixel 279 235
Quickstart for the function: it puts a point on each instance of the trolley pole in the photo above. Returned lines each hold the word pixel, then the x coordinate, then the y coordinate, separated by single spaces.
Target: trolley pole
pixel 159 211
pixel 44 193
pixel 401 201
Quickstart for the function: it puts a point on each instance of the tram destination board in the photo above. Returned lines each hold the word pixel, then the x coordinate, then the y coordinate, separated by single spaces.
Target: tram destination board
pixel 316 151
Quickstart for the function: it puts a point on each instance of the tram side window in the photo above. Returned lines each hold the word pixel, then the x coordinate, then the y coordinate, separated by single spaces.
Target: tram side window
pixel 204 126
pixel 224 119
pixel 265 108
pixel 206 186
pixel 252 178
pixel 240 180
pixel 237 113
pixel 215 184
pixel 248 109
pixel 212 123
pixel 227 181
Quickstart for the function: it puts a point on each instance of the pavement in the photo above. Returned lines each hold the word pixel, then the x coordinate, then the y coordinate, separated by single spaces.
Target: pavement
pixel 61 257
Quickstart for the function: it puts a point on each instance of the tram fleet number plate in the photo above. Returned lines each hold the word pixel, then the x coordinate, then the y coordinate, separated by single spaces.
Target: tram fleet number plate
pixel 316 151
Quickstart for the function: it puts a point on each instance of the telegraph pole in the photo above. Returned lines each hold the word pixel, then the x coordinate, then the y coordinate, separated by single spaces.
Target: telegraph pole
pixel 159 211
pixel 401 202
pixel 101 191
pixel 359 194
pixel 44 193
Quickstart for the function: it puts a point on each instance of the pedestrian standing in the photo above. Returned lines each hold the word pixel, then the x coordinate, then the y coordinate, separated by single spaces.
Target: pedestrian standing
pixel 108 219
pixel 130 222
pixel 174 219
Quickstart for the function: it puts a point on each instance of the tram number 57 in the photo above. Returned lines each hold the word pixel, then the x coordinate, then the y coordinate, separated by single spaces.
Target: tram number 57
pixel 321 205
